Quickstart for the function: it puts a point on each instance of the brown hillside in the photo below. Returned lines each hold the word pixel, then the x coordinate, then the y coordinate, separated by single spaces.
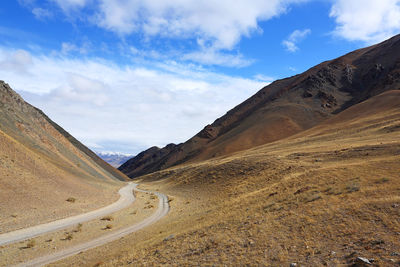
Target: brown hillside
pixel 285 107
pixel 322 197
pixel 41 166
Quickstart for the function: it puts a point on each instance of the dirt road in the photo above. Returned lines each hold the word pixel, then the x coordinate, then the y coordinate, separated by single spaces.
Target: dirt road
pixel 162 210
pixel 126 199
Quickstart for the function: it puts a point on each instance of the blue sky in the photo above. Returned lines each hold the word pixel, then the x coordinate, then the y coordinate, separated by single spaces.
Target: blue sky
pixel 124 75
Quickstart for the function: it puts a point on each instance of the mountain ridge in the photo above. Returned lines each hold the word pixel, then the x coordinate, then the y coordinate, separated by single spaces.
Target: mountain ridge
pixel 285 107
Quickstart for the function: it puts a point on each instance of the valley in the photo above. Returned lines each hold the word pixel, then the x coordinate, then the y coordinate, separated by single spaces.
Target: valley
pixel 322 197
pixel 303 173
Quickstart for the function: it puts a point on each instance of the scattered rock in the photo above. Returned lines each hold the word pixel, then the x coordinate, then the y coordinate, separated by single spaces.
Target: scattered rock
pixel 169 238
pixel 394 254
pixel 273 194
pixel 293 264
pixel 360 261
pixel 301 190
pixel 307 94
pixel 377 242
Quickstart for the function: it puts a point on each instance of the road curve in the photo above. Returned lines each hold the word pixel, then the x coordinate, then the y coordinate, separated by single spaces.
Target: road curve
pixel 162 210
pixel 126 198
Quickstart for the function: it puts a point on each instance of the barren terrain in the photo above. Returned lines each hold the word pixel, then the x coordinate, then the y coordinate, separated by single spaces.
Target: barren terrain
pixel 322 197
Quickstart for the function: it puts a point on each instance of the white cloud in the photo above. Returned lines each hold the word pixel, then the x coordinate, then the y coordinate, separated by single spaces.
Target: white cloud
pixel 124 108
pixel 18 61
pixel 294 38
pixel 41 13
pixel 67 48
pixel 68 5
pixel 78 88
pixel 366 20
pixel 221 23
pixel 263 78
pixel 216 57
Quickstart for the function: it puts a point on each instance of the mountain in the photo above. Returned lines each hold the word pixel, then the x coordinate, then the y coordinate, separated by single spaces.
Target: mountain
pixel 284 108
pixel 114 159
pixel 322 197
pixel 42 165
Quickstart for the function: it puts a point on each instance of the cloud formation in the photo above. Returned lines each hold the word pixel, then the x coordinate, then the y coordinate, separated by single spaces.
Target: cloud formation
pixel 294 38
pixel 369 21
pixel 219 23
pixel 123 108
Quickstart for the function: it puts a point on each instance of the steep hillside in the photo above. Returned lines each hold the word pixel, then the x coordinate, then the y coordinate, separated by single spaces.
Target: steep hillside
pixel 41 166
pixel 284 108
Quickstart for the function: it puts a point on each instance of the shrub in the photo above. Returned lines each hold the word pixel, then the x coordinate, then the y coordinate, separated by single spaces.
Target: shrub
pixel 78 228
pixel 71 199
pixel 352 187
pixel 68 236
pixel 108 218
pixel 31 243
pixel 108 226
pixel 382 180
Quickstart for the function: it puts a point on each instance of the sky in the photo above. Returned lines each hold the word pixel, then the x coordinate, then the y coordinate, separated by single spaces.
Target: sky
pixel 125 75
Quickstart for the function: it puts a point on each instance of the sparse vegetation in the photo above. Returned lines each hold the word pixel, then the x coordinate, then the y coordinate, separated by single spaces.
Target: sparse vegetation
pixel 382 180
pixel 352 187
pixel 78 228
pixel 71 199
pixel 288 208
pixel 68 236
pixel 31 243
pixel 107 218
pixel 313 197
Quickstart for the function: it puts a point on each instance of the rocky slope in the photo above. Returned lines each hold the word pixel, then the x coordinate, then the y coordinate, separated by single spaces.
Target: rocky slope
pixel 41 165
pixel 284 108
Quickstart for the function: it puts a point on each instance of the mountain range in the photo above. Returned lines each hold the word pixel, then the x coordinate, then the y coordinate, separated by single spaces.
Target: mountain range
pixel 115 159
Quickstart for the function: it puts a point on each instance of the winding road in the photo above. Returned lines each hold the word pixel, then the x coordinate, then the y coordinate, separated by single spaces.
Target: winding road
pixel 124 201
